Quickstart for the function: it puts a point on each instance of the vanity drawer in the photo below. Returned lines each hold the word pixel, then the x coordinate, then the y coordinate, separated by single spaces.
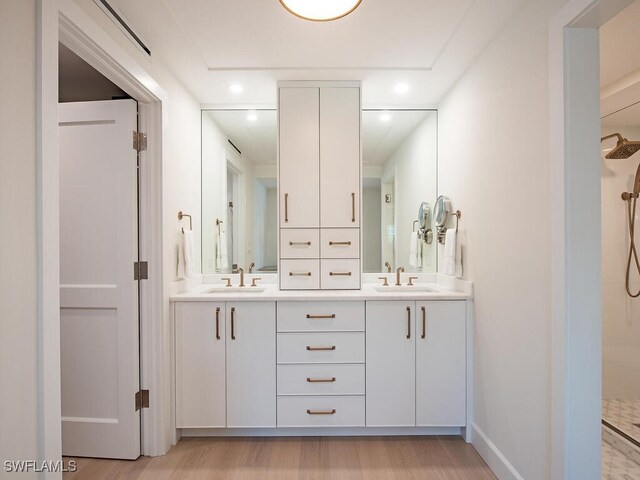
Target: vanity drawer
pixel 321 380
pixel 340 274
pixel 341 347
pixel 320 316
pixel 321 411
pixel 300 274
pixel 340 243
pixel 300 243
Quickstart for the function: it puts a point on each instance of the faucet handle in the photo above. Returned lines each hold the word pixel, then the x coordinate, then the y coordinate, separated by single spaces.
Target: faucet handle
pixel 228 280
pixel 411 279
pixel 253 281
pixel 386 283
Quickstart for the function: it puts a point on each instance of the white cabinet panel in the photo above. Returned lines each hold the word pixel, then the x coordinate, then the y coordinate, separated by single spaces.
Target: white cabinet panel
pixel 327 411
pixel 200 364
pixel 251 364
pixel 320 316
pixel 300 274
pixel 340 242
pixel 300 243
pixel 441 363
pixel 299 158
pixel 340 274
pixel 321 379
pixel 330 347
pixel 340 157
pixel 391 364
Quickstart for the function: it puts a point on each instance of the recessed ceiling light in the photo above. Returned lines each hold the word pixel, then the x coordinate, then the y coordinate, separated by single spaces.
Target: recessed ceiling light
pixel 385 117
pixel 235 88
pixel 252 116
pixel 320 10
pixel 401 88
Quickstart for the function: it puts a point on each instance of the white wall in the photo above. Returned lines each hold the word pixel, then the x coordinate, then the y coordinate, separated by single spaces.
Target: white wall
pixel 18 334
pixel 494 165
pixel 620 313
pixel 414 164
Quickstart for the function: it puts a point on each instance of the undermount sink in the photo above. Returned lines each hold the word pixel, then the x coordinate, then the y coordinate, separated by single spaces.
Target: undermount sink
pixel 403 288
pixel 236 289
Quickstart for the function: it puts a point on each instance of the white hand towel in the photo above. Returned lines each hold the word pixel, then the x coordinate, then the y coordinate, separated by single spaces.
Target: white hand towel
pixel 450 250
pixel 222 261
pixel 413 249
pixel 188 254
pixel 459 242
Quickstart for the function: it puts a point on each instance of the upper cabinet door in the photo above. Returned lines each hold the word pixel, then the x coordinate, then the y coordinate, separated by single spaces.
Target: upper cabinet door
pixel 299 147
pixel 340 157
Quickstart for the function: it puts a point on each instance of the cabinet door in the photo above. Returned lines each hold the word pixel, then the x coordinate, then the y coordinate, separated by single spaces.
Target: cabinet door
pixel 340 157
pixel 200 364
pixel 299 167
pixel 251 364
pixel 441 361
pixel 391 363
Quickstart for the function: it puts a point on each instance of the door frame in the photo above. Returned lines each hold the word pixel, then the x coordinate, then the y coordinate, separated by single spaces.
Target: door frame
pixel 65 21
pixel 576 318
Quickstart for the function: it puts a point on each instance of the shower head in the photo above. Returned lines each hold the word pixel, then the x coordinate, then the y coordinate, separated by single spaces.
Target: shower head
pixel 623 149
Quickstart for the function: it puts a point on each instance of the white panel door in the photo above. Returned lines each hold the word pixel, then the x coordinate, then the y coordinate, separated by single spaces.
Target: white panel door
pixel 200 365
pixel 251 364
pixel 441 346
pixel 98 294
pixel 339 157
pixel 299 157
pixel 391 362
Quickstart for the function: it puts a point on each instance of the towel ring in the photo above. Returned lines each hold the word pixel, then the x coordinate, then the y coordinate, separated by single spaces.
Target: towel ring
pixel 181 215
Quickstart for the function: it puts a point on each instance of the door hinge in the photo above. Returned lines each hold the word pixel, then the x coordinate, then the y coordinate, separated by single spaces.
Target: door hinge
pixel 139 141
pixel 140 271
pixel 142 399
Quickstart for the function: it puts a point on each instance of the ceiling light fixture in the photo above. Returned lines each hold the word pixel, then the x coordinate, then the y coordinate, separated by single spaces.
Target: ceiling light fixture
pixel 385 117
pixel 235 88
pixel 401 88
pixel 320 10
pixel 252 116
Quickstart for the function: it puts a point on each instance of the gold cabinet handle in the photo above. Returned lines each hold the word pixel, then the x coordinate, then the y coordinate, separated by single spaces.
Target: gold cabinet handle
pixel 299 274
pixel 286 207
pixel 217 323
pixel 339 274
pixel 321 412
pixel 320 349
pixel 353 207
pixel 424 322
pixel 339 243
pixel 305 244
pixel 333 315
pixel 408 322
pixel 321 380
pixel 233 323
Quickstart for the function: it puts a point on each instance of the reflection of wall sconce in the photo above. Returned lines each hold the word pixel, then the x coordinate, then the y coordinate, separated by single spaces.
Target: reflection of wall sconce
pixel 387 198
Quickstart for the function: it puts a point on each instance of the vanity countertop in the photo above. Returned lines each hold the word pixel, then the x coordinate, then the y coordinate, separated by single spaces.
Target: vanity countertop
pixel 202 293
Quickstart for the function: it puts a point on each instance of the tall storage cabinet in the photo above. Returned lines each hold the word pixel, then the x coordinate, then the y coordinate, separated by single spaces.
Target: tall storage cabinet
pixel 319 179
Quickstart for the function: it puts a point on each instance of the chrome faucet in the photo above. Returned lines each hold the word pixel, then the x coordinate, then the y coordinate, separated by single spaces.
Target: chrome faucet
pixel 241 272
pixel 388 265
pixel 398 272
pixel 251 267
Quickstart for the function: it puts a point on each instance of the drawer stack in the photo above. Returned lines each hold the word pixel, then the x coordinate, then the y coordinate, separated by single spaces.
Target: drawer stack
pixel 321 371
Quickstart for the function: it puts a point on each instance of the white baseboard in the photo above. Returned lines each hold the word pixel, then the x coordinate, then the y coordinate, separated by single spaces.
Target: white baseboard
pixel 497 462
pixel 320 431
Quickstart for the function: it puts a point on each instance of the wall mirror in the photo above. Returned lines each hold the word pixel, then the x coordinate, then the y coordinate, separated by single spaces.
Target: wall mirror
pixel 399 149
pixel 239 212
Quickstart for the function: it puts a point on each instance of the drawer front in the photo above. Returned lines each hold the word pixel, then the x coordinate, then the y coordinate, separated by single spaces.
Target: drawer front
pixel 340 242
pixel 320 316
pixel 300 243
pixel 321 411
pixel 340 274
pixel 321 380
pixel 343 347
pixel 300 274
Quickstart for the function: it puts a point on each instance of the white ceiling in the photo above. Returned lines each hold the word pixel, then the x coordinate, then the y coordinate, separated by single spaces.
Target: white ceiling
pixel 628 117
pixel 210 44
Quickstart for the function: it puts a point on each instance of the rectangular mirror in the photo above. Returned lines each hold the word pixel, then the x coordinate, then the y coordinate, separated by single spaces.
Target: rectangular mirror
pixel 239 216
pixel 399 150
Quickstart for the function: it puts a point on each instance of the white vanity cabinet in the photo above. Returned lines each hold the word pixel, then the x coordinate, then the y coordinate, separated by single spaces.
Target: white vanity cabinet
pixel 416 361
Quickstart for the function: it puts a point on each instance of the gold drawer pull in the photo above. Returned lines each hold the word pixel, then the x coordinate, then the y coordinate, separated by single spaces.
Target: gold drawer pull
pixel 321 380
pixel 333 315
pixel 339 243
pixel 286 208
pixel 233 323
pixel 320 349
pixel 424 322
pixel 299 274
pixel 408 322
pixel 304 244
pixel 339 274
pixel 217 323
pixel 353 207
pixel 321 412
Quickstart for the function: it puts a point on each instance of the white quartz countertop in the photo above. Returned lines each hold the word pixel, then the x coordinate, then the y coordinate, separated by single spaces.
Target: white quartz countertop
pixel 202 293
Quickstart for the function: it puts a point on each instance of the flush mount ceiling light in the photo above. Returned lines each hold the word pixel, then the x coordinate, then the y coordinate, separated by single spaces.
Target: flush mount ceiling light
pixel 385 117
pixel 401 88
pixel 235 88
pixel 320 10
pixel 252 116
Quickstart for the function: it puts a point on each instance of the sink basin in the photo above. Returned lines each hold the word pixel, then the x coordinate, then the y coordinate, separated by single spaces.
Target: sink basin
pixel 236 289
pixel 403 288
